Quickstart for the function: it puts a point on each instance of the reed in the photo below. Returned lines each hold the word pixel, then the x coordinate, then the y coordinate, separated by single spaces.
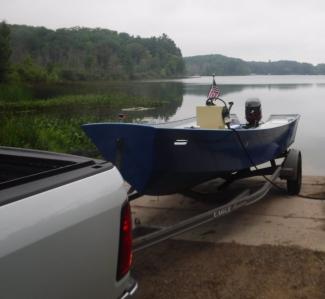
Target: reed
pixel 41 132
pixel 110 101
pixel 13 93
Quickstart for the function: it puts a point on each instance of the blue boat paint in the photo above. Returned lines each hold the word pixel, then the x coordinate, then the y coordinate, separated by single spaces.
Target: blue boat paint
pixel 164 160
pixel 137 148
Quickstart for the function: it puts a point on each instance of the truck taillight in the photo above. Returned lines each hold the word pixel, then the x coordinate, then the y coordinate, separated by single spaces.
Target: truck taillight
pixel 125 246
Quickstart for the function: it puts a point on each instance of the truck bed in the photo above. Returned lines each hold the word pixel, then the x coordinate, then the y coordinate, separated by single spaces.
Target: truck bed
pixel 25 172
pixel 62 219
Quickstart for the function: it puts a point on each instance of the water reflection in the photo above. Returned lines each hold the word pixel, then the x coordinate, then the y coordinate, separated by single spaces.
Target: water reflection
pixel 169 94
pixel 226 89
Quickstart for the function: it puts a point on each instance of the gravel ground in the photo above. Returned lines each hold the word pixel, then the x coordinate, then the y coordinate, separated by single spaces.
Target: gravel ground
pixel 187 269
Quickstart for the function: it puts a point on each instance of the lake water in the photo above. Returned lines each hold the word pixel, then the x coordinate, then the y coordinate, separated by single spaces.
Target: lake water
pixel 304 95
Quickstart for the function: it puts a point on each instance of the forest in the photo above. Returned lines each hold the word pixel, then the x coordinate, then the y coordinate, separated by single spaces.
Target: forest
pixel 204 65
pixel 39 54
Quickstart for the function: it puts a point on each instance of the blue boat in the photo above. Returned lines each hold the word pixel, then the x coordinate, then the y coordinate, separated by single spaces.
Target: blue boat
pixel 157 159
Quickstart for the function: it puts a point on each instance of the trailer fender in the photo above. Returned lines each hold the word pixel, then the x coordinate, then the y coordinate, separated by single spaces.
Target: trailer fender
pixel 289 168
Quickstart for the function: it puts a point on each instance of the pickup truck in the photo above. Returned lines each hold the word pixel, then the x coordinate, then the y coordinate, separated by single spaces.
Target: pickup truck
pixel 65 227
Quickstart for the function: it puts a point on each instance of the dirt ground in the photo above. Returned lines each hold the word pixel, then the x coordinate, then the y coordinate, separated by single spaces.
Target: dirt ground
pixel 272 249
pixel 187 269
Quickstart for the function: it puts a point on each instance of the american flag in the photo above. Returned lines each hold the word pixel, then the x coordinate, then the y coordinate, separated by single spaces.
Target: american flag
pixel 214 91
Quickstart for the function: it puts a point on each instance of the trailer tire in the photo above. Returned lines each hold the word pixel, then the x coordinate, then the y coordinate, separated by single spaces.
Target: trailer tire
pixel 294 184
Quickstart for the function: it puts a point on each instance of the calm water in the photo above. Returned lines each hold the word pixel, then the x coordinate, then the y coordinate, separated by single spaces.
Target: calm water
pixel 279 94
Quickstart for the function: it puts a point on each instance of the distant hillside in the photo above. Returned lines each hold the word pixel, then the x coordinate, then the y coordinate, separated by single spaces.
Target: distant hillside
pixel 226 66
pixel 84 53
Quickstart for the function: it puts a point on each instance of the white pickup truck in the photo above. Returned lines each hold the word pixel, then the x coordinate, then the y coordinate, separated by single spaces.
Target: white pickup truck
pixel 65 228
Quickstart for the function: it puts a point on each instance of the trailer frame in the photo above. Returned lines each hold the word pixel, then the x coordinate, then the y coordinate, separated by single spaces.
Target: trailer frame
pixel 287 170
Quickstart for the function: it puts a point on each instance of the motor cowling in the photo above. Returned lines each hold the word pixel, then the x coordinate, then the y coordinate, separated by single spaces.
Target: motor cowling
pixel 253 112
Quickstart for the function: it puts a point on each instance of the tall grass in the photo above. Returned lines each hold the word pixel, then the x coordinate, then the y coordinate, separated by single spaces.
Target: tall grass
pixel 54 124
pixel 41 132
pixel 11 93
pixel 109 101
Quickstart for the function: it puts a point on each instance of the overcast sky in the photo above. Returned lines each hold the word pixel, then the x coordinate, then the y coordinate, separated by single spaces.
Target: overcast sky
pixel 247 29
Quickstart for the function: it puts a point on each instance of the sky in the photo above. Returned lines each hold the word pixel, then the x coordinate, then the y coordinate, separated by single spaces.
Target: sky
pixel 259 30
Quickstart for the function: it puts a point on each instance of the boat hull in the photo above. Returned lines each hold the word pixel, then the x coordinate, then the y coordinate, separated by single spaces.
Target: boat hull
pixel 159 160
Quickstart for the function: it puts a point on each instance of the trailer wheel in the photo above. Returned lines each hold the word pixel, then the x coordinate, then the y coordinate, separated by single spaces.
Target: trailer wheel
pixel 294 183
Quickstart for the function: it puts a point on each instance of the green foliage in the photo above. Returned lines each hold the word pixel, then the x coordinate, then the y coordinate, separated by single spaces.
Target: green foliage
pixel 40 132
pixel 282 67
pixel 216 64
pixel 5 52
pixel 10 93
pixel 31 72
pixel 320 69
pixel 75 102
pixel 92 54
pixel 227 66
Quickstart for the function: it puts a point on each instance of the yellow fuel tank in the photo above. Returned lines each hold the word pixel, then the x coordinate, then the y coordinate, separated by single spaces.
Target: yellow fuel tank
pixel 209 117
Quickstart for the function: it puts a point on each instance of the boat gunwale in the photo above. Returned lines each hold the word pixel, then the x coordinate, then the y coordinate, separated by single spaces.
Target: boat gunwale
pixel 296 117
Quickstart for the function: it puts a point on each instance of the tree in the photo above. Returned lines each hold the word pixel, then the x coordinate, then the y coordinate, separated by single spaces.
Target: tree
pixel 92 54
pixel 5 52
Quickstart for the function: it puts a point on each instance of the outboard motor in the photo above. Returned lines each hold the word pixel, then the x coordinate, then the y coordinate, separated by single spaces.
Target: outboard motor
pixel 253 112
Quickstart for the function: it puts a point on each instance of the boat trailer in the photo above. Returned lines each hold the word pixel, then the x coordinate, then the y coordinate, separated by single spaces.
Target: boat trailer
pixel 290 170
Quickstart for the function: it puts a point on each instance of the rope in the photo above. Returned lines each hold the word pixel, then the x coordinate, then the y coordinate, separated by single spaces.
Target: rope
pixel 266 178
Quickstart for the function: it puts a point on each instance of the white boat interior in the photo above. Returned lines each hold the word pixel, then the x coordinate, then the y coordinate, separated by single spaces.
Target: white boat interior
pixel 274 120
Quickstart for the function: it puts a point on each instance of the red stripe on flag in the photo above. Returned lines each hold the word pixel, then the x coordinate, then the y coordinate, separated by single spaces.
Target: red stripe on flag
pixel 214 91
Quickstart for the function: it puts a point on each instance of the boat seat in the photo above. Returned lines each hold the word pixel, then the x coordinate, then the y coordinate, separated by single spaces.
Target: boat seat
pixel 209 117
